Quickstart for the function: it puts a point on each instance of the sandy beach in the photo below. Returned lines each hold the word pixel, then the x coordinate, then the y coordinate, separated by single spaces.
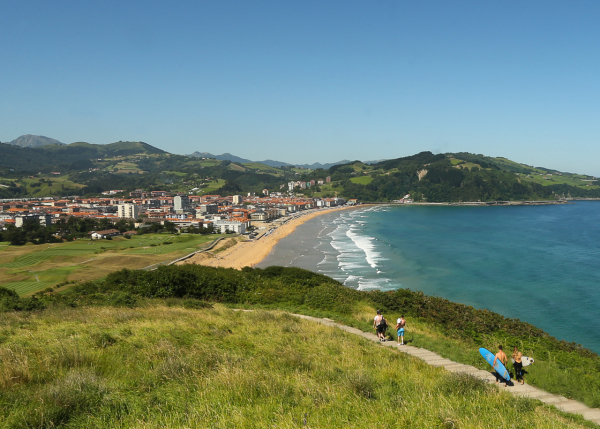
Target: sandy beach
pixel 247 253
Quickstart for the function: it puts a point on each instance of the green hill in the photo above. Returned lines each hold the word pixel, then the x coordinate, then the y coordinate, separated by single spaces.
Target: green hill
pixel 147 349
pixel 452 178
pixel 88 169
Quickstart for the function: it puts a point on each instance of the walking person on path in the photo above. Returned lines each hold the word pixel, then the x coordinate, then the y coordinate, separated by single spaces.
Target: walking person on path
pixel 379 325
pixel 501 356
pixel 518 364
pixel 400 324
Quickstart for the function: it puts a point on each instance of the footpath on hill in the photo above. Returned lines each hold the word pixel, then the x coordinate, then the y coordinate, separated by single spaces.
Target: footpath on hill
pixel 431 358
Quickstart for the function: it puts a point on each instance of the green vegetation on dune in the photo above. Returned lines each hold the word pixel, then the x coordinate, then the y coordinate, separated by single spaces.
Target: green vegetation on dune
pixel 168 364
pixel 453 330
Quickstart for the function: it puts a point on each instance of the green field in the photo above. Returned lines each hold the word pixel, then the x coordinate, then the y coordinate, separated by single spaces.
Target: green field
pixel 29 268
pixel 362 180
pixel 262 168
pixel 57 185
pixel 211 186
pixel 555 179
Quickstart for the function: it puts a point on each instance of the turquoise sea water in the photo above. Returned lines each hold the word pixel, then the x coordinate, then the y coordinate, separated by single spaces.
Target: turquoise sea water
pixel 536 263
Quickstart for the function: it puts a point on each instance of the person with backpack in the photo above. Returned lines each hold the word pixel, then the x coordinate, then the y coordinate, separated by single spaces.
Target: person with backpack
pixel 380 325
pixel 400 324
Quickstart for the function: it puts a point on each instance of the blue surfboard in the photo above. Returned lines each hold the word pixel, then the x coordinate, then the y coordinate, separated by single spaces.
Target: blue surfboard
pixel 499 367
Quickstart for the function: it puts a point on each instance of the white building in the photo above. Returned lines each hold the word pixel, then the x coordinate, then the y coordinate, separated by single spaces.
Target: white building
pixel 228 225
pixel 237 199
pixel 181 202
pixel 130 211
pixel 44 220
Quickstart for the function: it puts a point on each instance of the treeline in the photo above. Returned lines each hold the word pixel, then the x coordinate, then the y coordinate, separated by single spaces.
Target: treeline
pixel 74 228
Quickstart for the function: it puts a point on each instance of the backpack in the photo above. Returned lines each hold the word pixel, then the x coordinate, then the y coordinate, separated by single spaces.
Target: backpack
pixel 402 323
pixel 383 324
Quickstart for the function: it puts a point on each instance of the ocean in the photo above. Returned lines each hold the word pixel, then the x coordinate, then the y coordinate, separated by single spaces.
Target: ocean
pixel 539 264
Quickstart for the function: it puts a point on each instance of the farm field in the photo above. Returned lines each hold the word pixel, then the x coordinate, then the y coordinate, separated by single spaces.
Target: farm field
pixel 30 268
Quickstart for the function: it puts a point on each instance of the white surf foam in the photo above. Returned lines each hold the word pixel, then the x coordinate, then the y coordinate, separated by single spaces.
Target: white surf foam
pixel 367 245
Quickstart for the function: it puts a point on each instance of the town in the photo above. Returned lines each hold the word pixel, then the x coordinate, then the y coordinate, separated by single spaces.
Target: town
pixel 143 209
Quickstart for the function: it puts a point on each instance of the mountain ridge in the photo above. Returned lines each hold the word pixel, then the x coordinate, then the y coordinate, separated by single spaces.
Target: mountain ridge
pixel 33 141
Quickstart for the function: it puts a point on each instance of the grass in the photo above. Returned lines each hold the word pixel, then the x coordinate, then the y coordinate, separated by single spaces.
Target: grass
pixel 29 268
pixel 262 168
pixel 362 180
pixel 57 183
pixel 209 187
pixel 163 365
pixel 572 180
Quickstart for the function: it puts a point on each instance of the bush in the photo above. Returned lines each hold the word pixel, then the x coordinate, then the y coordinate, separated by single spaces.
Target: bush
pixel 123 299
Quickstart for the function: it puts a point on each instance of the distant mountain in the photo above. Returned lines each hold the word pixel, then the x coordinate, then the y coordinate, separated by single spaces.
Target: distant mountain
pixel 29 140
pixel 270 162
pixel 275 164
pixel 223 157
pixel 323 166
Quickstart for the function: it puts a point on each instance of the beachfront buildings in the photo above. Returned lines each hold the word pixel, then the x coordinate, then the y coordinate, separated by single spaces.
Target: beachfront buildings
pixel 224 226
pixel 221 213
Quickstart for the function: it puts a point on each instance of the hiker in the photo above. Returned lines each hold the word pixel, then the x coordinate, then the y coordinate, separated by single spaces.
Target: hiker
pixel 401 323
pixel 501 356
pixel 518 364
pixel 380 325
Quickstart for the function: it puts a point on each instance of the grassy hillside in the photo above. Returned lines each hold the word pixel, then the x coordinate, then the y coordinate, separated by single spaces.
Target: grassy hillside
pixel 174 364
pixel 87 169
pixel 452 178
pixel 452 330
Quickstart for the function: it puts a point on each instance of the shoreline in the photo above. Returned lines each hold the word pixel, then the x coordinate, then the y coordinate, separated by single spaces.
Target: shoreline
pixel 248 253
pixel 480 203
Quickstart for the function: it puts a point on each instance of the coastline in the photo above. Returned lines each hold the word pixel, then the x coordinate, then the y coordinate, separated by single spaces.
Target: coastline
pixel 248 253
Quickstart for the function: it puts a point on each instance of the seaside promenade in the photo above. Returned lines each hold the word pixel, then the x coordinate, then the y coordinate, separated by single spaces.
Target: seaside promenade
pixel 560 402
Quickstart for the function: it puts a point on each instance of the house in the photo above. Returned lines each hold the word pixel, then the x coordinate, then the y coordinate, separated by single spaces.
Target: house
pixel 97 235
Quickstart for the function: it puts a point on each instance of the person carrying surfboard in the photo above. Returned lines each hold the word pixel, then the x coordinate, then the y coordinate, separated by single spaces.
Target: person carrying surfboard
pixel 518 364
pixel 501 356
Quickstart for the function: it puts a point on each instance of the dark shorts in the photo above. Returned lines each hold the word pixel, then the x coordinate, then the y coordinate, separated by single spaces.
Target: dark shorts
pixel 380 329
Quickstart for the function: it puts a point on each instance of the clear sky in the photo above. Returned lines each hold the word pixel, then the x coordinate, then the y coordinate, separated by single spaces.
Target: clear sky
pixel 304 81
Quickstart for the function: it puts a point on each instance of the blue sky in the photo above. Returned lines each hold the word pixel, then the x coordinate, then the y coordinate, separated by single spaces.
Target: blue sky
pixel 309 81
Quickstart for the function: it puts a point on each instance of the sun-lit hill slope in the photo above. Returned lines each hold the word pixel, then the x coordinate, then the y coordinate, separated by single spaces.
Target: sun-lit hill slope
pixel 176 364
pixel 450 178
